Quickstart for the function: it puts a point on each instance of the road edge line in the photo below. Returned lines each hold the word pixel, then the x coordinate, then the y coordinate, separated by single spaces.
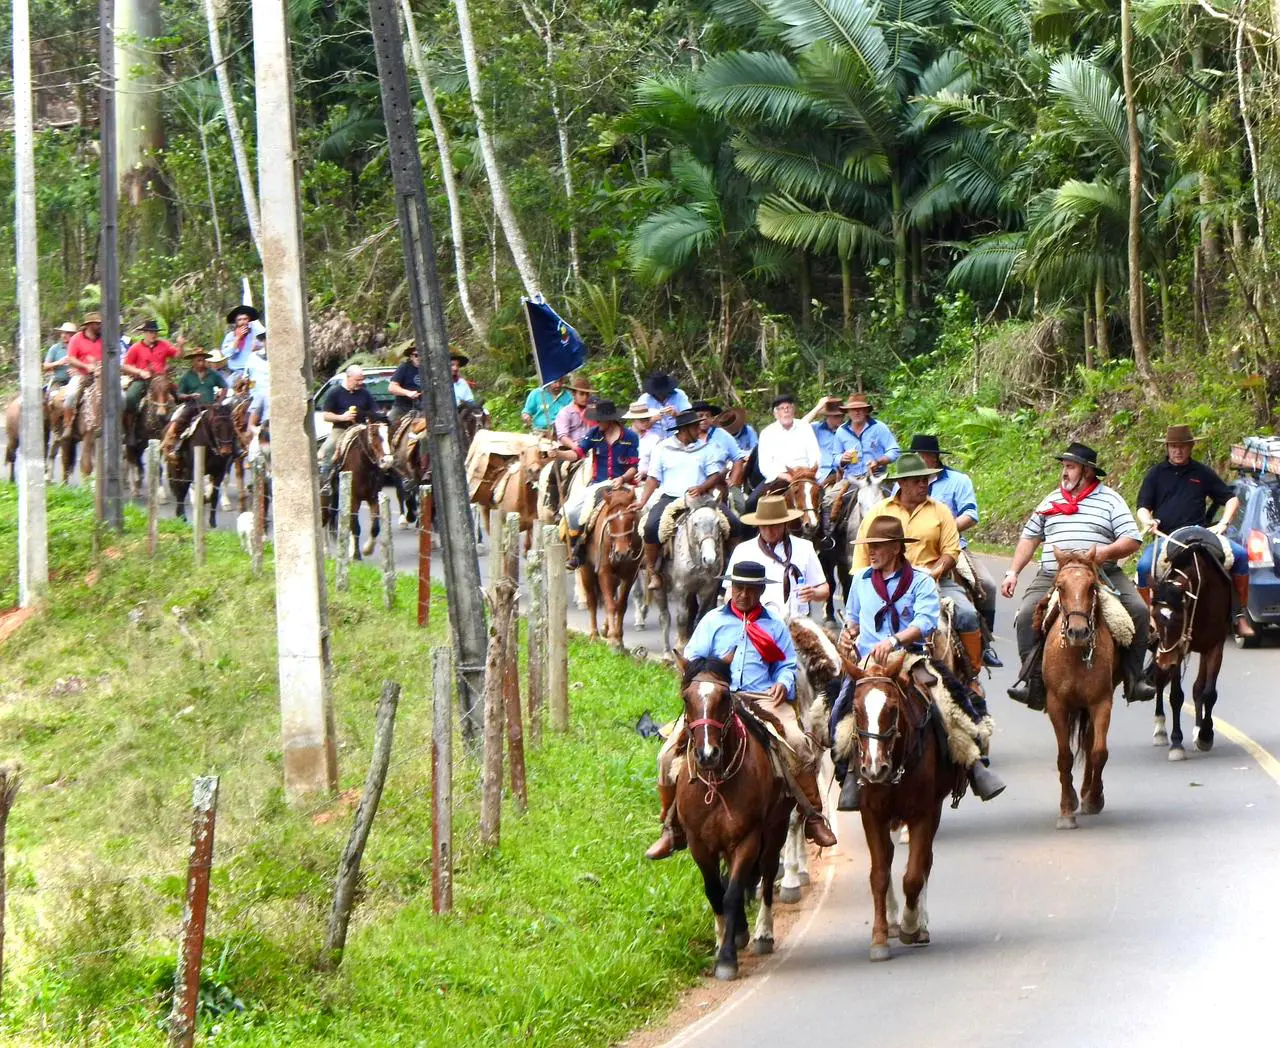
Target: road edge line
pixel 1265 760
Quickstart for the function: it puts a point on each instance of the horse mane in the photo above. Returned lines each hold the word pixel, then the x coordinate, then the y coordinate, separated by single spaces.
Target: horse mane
pixel 708 664
pixel 1037 617
pixel 1169 593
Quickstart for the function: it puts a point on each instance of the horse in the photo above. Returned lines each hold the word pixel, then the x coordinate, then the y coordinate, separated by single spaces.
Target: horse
pixel 362 452
pixel 804 493
pixel 608 570
pixel 691 574
pixel 241 400
pixel 13 431
pixel 472 418
pixel 520 493
pixel 1190 612
pixel 835 548
pixel 215 433
pixel 1080 674
pixel 906 773
pixel 83 429
pixel 154 414
pixel 411 463
pixel 732 807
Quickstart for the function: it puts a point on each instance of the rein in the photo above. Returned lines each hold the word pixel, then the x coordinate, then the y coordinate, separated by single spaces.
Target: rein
pixel 712 781
pixel 1190 593
pixel 892 735
pixel 1091 619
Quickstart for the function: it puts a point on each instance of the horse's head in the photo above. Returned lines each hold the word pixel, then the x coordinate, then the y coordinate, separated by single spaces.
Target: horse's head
pixel 1171 619
pixel 222 429
pixel 621 524
pixel 870 491
pixel 883 716
pixel 702 526
pixel 805 494
pixel 161 394
pixel 708 709
pixel 380 446
pixel 1077 587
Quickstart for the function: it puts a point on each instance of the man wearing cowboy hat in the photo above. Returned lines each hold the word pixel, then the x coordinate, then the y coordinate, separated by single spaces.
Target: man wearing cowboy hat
pixel 734 422
pixel 571 423
pixel 761 657
pixel 615 452
pixel 864 445
pixel 733 459
pixel 406 387
pixel 84 357
pixel 666 398
pixel 543 404
pixel 1180 492
pixel 936 550
pixel 792 570
pixel 198 388
pixel 641 416
pixel 237 344
pixel 1083 514
pixel 54 359
pixel 682 465
pixel 461 387
pixel 146 358
pixel 787 443
pixel 826 430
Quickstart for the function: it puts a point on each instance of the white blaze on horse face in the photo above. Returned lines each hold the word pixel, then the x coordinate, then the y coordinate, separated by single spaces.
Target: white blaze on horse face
pixel 875 702
pixel 706 693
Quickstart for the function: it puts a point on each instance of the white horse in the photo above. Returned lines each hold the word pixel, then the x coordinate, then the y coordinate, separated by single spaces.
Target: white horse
pixel 691 574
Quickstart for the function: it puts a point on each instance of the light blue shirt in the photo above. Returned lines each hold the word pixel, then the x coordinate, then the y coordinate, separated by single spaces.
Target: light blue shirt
pixel 748 438
pixel 917 607
pixel 955 491
pixel 259 371
pixel 725 446
pixel 827 445
pixel 677 467
pixel 238 359
pixel 721 631
pixel 260 404
pixel 875 442
pixel 462 391
pixel 666 424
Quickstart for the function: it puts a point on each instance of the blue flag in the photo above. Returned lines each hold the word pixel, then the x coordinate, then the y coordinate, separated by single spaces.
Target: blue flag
pixel 557 348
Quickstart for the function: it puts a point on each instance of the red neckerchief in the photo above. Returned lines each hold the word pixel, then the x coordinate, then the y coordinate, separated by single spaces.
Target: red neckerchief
pixel 881 585
pixel 765 645
pixel 789 570
pixel 1070 504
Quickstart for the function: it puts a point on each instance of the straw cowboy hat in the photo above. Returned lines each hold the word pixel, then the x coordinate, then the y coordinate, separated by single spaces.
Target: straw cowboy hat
pixel 580 385
pixel 884 529
pixel 747 573
pixel 196 351
pixel 771 509
pixel 462 359
pixel 91 318
pixel 67 328
pixel 247 311
pixel 1083 455
pixel 910 464
pixel 1177 435
pixel 733 420
pixel 638 411
pixel 857 400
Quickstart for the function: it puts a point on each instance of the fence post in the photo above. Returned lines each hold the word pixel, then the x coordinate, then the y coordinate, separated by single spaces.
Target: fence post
pixel 495 547
pixel 344 889
pixel 535 571
pixel 10 781
pixel 557 635
pixel 424 555
pixel 153 494
pixel 388 550
pixel 442 781
pixel 504 603
pixel 197 489
pixel 259 513
pixel 511 686
pixel 342 568
pixel 99 495
pixel 186 986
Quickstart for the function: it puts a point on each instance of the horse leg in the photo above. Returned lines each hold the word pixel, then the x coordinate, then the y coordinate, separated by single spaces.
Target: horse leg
pixel 914 929
pixel 588 583
pixel 792 860
pixel 354 551
pixel 1159 736
pixel 741 865
pixel 762 936
pixel 1100 722
pixel 713 888
pixel 664 616
pixel 1176 752
pixel 375 525
pixel 1061 719
pixel 1205 693
pixel 880 845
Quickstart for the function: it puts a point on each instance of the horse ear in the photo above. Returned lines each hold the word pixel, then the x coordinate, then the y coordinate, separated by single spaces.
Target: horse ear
pixel 851 669
pixel 682 663
pixel 893 664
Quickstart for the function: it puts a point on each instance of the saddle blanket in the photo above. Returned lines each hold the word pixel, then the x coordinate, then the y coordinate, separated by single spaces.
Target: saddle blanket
pixel 671 518
pixel 1113 614
pixel 490 457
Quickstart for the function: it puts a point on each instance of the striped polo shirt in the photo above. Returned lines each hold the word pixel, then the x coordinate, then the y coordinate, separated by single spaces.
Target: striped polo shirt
pixel 1103 518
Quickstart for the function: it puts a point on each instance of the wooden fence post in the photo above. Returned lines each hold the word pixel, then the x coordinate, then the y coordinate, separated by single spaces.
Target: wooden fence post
pixel 388 550
pixel 504 605
pixel 535 572
pixel 424 555
pixel 442 781
pixel 153 494
pixel 197 488
pixel 342 567
pixel 186 986
pixel 344 888
pixel 557 636
pixel 259 513
pixel 511 686
pixel 496 536
pixel 10 781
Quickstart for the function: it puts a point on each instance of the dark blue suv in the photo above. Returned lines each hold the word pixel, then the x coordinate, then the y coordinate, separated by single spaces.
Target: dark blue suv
pixel 1257 529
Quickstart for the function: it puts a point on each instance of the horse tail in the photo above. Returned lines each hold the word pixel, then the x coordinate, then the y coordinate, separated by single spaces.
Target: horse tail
pixel 1081 731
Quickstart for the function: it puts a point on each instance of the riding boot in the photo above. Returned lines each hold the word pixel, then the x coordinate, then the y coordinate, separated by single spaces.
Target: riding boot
pixel 1145 593
pixel 985 783
pixel 850 792
pixel 972 643
pixel 815 826
pixel 990 658
pixel 1136 687
pixel 1029 687
pixel 576 547
pixel 1244 628
pixel 168 444
pixel 672 839
pixel 653 564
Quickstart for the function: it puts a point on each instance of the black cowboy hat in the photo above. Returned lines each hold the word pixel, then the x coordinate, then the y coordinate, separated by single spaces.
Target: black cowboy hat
pixel 746 573
pixel 659 385
pixel 926 442
pixel 706 405
pixel 462 359
pixel 783 398
pixel 688 417
pixel 603 411
pixel 248 311
pixel 150 325
pixel 1082 454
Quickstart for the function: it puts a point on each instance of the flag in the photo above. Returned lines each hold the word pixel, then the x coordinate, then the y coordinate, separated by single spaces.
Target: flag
pixel 557 348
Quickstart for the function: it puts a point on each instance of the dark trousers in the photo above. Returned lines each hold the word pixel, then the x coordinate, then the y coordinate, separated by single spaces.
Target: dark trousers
pixel 654 517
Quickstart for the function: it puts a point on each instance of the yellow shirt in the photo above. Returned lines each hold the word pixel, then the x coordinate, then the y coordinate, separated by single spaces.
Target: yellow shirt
pixel 931 523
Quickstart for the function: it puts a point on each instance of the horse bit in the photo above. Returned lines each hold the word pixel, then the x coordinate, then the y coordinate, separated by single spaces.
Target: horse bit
pixel 713 783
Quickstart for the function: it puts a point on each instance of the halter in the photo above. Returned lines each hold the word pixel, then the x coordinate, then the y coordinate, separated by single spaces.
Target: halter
pixel 891 736
pixel 1091 619
pixel 711 780
pixel 1190 593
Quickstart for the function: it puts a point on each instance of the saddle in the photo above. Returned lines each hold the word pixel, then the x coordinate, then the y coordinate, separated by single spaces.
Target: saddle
pixel 1113 614
pixel 1179 547
pixel 346 438
pixel 412 418
pixel 489 458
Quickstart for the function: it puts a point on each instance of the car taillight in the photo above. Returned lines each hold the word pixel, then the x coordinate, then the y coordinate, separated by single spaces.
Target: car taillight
pixel 1259 547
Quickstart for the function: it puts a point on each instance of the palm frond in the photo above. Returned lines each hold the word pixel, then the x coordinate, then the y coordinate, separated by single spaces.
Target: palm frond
pixel 852 92
pixel 667 241
pixel 1093 107
pixel 935 201
pixel 850 25
pixel 804 169
pixel 990 264
pixel 754 86
pixel 790 222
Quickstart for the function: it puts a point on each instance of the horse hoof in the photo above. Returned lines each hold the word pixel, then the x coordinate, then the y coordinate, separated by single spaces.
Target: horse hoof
pixel 1092 806
pixel 879 952
pixel 1066 822
pixel 920 937
pixel 1203 744
pixel 1177 753
pixel 1160 738
pixel 762 947
pixel 741 939
pixel 726 972
pixel 789 895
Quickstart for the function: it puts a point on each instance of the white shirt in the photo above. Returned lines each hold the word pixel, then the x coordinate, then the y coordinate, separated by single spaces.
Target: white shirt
pixel 786 449
pixel 649 440
pixel 803 557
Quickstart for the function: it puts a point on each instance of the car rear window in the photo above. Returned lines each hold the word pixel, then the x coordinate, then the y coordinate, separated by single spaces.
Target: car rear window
pixel 1270 510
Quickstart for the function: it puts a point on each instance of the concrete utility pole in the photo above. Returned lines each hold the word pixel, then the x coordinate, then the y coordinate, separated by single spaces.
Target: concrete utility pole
pixel 33 528
pixel 448 477
pixel 302 628
pixel 108 267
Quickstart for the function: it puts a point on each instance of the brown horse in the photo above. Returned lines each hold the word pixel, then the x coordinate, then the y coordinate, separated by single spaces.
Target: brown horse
pixel 1080 673
pixel 241 399
pixel 1190 612
pixel 154 413
pixel 362 452
pixel 613 553
pixel 906 774
pixel 732 809
pixel 13 431
pixel 215 433
pixel 410 462
pixel 804 493
pixel 520 492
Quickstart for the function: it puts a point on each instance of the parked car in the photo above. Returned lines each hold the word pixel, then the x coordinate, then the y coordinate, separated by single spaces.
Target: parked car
pixel 1257 529
pixel 376 381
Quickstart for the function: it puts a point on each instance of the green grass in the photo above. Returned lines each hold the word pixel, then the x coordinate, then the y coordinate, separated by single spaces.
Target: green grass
pixel 114 701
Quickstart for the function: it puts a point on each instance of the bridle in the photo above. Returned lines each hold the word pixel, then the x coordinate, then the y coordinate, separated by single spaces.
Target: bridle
pixel 612 538
pixel 1091 617
pixel 795 489
pixel 715 778
pixel 685 528
pixel 890 737
pixel 1190 595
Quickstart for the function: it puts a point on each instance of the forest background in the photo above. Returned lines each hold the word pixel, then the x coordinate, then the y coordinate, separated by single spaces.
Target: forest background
pixel 1014 223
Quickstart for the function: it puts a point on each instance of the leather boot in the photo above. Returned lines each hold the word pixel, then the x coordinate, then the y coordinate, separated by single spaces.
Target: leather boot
pixel 990 658
pixel 168 442
pixel 576 547
pixel 672 839
pixel 985 783
pixel 1029 688
pixel 1145 593
pixel 850 793
pixel 972 643
pixel 815 826
pixel 1243 627
pixel 652 564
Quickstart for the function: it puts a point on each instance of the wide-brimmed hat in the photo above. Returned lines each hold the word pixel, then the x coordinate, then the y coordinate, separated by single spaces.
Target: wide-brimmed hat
pixel 149 325
pixel 410 348
pixel 67 328
pixel 783 398
pixel 217 359
pixel 833 406
pixel 747 573
pixel 603 411
pixel 1178 435
pixel 659 385
pixel 462 359
pixel 857 400
pixel 771 509
pixel 1083 455
pixel 688 417
pixel 639 410
pixel 91 318
pixel 706 405
pixel 884 528
pixel 579 385
pixel 910 464
pixel 732 420
pixel 196 351
pixel 926 442
pixel 248 311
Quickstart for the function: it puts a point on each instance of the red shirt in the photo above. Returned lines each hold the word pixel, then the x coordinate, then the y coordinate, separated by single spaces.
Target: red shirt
pixel 151 358
pixel 86 350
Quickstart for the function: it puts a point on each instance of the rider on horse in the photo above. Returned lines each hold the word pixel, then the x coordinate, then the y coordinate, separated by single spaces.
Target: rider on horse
pixel 864 445
pixel 615 452
pixel 406 387
pixel 147 357
pixel 55 365
pixel 661 393
pixel 543 404
pixel 462 393
pixel 787 443
pixel 734 422
pixel 243 327
pixel 1174 495
pixel 734 459
pixel 936 550
pixel 793 572
pixel 84 358
pixel 198 388
pixel 641 417
pixel 571 422
pixel 1083 514
pixel 348 404
pixel 826 431
pixel 758 649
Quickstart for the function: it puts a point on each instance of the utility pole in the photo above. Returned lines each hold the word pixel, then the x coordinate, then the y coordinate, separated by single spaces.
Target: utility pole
pixel 33 528
pixel 448 478
pixel 302 628
pixel 108 268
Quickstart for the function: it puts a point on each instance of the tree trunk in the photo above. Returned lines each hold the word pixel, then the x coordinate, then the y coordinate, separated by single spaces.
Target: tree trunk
pixel 1087 316
pixel 497 182
pixel 1100 318
pixel 805 288
pixel 445 151
pixel 247 190
pixel 846 293
pixel 1259 202
pixel 1162 271
pixel 917 269
pixel 139 125
pixel 899 250
pixel 1208 227
pixel 1137 318
pixel 213 200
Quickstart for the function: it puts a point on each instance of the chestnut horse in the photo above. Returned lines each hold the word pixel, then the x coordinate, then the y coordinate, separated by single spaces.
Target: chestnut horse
pixel 520 494
pixel 804 493
pixel 906 774
pixel 362 452
pixel 1080 674
pixel 731 806
pixel 1190 612
pixel 611 560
